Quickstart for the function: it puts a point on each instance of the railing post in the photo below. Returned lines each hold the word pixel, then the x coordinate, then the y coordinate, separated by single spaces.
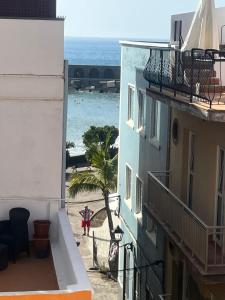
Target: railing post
pixel 207 250
pixel 93 248
pixel 150 61
pixel 161 69
pixel 175 74
pixel 192 74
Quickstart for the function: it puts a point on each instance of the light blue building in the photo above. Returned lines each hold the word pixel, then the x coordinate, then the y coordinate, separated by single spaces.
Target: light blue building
pixel 144 134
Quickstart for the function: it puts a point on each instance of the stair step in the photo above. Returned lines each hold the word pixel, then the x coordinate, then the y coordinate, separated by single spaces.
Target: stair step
pixel 205 81
pixel 200 72
pixel 213 80
pixel 212 88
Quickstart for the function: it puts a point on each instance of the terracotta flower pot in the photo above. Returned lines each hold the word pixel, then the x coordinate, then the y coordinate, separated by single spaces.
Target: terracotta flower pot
pixel 41 228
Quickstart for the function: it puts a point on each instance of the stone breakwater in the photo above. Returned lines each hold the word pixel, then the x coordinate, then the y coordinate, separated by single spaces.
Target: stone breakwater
pixel 89 77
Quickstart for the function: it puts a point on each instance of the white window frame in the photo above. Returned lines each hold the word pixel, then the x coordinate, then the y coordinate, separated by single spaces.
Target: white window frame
pixel 130 183
pixel 141 112
pixel 139 202
pixel 177 30
pixel 155 123
pixel 130 104
pixel 151 229
pixel 191 168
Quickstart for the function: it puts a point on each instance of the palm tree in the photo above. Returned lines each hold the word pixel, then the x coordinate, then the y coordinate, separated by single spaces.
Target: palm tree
pixel 103 177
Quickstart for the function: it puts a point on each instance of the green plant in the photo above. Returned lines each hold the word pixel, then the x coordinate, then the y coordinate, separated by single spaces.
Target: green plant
pixel 98 135
pixel 103 177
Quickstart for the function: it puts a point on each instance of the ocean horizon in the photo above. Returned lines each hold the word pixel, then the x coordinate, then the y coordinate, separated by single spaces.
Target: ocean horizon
pixel 97 50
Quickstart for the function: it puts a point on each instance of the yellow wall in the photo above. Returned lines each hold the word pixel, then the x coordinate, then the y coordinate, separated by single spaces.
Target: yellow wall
pixel 208 135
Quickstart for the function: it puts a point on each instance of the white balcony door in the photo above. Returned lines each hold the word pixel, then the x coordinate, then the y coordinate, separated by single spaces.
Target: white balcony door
pixel 191 169
pixel 220 194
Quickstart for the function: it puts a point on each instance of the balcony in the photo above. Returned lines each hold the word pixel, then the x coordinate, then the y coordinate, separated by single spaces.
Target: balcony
pixel 193 80
pixel 60 276
pixel 203 245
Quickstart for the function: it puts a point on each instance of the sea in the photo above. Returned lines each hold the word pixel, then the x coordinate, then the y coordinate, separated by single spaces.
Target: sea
pixel 90 108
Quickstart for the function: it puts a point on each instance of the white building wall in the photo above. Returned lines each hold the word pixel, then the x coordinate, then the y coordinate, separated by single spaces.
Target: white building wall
pixel 187 19
pixel 31 107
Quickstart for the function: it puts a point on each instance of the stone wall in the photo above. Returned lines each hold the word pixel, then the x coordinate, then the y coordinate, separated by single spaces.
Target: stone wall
pixel 94 77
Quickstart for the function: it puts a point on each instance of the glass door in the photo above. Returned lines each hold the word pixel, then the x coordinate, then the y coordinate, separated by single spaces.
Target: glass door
pixel 191 169
pixel 220 195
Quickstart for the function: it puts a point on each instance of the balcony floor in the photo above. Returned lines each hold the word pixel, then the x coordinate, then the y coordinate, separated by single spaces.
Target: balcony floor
pixel 29 274
pixel 199 108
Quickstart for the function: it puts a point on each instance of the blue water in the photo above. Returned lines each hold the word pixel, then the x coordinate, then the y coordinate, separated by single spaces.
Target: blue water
pixel 86 109
pixel 92 51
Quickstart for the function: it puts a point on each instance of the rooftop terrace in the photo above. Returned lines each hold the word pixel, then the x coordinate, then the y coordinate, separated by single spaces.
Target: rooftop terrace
pixel 29 274
pixel 192 81
pixel 60 276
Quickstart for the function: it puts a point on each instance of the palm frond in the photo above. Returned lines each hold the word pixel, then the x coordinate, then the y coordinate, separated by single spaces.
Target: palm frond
pixel 84 182
pixel 104 176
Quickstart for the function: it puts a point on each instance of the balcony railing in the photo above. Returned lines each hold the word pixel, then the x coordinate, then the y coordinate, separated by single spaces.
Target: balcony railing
pixel 202 243
pixel 197 74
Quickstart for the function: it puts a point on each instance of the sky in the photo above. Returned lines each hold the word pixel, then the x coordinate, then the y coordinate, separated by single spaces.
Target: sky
pixel 122 18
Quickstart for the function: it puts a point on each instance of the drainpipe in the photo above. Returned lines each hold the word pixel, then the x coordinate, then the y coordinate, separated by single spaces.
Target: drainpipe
pixel 65 104
pixel 168 143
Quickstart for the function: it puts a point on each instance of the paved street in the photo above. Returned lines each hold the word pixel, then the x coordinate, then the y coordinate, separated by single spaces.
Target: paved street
pixel 104 288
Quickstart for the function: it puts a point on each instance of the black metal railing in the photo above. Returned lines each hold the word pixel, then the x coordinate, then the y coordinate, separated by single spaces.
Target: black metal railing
pixel 196 73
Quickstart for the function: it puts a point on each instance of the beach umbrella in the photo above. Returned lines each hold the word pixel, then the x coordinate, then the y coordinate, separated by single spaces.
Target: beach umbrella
pixel 203 32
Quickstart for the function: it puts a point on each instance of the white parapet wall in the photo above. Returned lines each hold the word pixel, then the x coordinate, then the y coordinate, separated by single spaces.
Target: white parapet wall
pixel 70 270
pixel 39 208
pixel 31 107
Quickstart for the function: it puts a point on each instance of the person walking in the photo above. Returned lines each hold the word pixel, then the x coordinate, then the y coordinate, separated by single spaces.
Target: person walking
pixel 86 214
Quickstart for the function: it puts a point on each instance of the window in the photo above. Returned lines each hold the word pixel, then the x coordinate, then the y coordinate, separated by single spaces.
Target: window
pixel 151 229
pixel 128 182
pixel 177 31
pixel 155 120
pixel 141 110
pixel 130 102
pixel 139 189
pixel 191 167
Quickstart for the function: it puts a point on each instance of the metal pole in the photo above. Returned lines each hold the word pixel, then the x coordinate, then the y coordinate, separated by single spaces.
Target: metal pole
pixel 135 283
pixel 65 104
pixel 124 272
pixel 93 248
pixel 192 74
pixel 161 69
pixel 176 65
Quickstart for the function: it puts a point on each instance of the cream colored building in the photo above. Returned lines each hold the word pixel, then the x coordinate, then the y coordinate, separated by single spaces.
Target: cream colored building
pixel 190 204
